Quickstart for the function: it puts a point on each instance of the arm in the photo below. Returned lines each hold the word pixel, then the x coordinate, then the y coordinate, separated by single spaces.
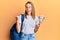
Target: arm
pixel 36 28
pixel 38 25
pixel 18 24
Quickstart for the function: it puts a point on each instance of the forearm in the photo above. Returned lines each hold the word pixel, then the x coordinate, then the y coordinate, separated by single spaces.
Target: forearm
pixel 36 28
pixel 38 24
pixel 18 27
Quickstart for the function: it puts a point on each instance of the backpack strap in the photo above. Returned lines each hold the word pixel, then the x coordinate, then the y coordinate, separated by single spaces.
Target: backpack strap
pixel 22 19
pixel 14 25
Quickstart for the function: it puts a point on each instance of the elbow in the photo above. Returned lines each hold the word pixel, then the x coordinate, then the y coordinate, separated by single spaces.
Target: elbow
pixel 18 31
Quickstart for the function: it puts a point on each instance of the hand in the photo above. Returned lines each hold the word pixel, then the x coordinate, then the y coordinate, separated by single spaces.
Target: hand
pixel 18 24
pixel 36 28
pixel 17 18
pixel 41 18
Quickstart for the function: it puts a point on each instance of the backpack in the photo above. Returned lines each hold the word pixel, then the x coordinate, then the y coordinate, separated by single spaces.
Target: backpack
pixel 13 32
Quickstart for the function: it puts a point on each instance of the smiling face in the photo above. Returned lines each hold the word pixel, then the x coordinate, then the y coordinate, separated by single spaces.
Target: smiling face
pixel 28 8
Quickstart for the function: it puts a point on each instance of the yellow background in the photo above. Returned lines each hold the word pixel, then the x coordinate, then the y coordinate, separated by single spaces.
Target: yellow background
pixel 50 27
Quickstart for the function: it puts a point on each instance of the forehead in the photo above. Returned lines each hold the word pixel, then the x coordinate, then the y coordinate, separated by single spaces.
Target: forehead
pixel 28 4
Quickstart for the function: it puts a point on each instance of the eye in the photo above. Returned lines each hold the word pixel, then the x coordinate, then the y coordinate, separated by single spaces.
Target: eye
pixel 29 7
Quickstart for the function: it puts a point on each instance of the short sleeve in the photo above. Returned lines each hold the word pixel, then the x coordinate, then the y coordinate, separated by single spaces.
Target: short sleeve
pixel 19 18
pixel 37 20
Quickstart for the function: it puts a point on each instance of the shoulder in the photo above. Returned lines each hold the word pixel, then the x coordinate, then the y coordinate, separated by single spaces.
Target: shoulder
pixel 36 17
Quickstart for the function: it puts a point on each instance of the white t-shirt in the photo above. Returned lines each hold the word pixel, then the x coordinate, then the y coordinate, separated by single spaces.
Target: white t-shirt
pixel 29 24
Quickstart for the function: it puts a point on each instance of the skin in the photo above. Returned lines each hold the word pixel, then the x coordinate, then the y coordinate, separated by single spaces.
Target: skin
pixel 18 24
pixel 28 8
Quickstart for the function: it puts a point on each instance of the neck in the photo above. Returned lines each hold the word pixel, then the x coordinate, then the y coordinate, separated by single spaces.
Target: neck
pixel 29 13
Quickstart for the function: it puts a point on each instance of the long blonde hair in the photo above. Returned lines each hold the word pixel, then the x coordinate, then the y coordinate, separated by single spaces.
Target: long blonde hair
pixel 33 10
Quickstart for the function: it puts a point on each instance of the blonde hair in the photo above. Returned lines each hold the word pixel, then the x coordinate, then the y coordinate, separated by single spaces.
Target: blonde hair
pixel 33 10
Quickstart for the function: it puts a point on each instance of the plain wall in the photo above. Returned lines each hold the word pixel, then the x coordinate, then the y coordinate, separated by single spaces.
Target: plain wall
pixel 50 27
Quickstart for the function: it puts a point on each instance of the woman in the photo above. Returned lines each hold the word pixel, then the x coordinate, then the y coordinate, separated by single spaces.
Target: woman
pixel 30 23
